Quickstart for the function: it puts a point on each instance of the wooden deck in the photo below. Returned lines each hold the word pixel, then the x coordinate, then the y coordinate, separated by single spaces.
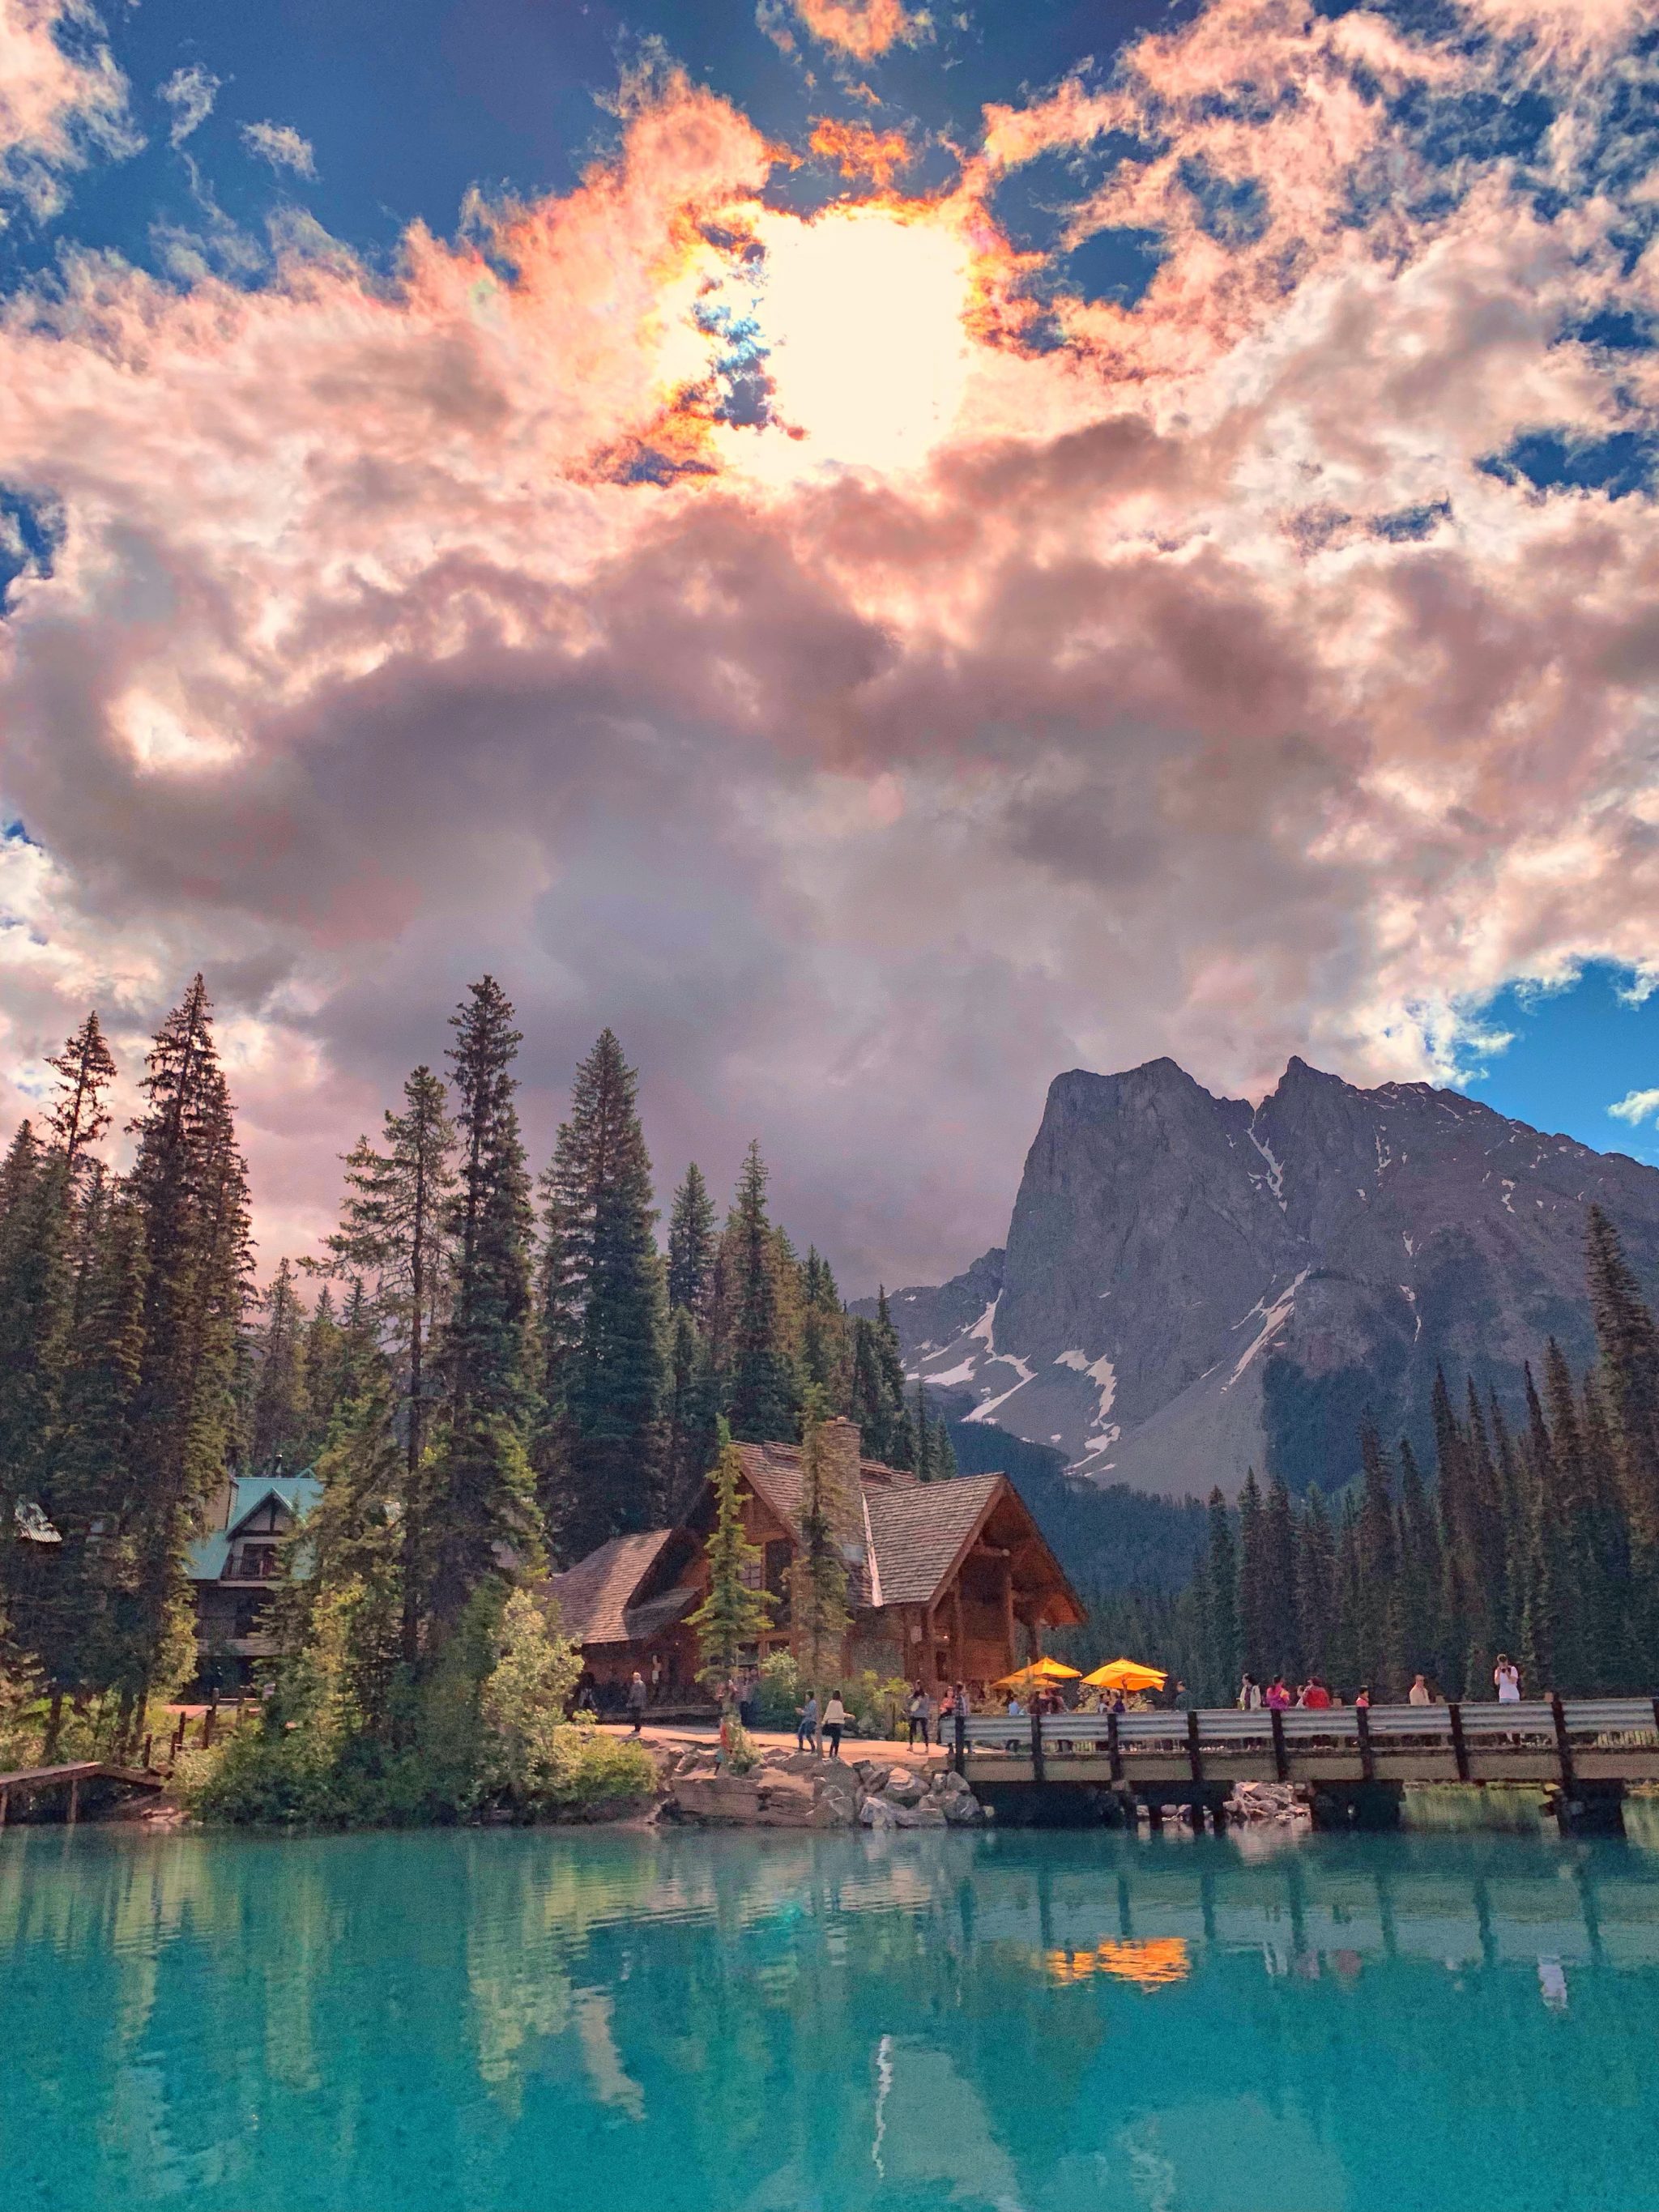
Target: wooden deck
pixel 1601 1743
pixel 29 1781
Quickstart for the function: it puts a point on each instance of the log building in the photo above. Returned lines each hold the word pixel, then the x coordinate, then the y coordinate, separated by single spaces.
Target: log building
pixel 947 1580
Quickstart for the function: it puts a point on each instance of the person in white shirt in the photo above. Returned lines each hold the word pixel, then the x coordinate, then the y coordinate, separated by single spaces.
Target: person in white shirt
pixel 835 1720
pixel 1507 1677
pixel 1419 1693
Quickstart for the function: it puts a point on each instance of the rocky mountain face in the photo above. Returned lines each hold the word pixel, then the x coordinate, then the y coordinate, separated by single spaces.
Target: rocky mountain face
pixel 1192 1286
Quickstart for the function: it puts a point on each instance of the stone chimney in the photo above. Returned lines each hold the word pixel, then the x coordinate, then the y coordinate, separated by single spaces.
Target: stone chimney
pixel 838 1443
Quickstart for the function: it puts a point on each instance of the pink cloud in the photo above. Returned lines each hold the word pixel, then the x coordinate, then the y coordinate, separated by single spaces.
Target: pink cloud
pixel 55 111
pixel 863 28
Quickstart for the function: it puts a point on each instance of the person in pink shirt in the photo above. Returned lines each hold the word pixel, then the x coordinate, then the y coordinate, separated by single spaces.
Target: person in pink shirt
pixel 1278 1698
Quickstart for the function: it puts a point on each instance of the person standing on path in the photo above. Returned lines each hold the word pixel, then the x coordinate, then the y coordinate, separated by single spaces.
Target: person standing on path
pixel 1419 1693
pixel 1249 1695
pixel 1278 1698
pixel 806 1722
pixel 917 1715
pixel 960 1716
pixel 1506 1678
pixel 637 1701
pixel 835 1720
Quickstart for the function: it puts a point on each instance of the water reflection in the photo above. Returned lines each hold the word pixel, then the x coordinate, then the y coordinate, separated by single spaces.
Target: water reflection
pixel 623 2020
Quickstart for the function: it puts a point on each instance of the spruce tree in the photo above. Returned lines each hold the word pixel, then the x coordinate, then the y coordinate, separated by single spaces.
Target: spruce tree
pixel 1377 1624
pixel 395 1225
pixel 1629 1344
pixel 190 1185
pixel 35 1294
pixel 479 1504
pixel 1256 1631
pixel 945 1452
pixel 323 1362
pixel 760 1383
pixel 1277 1600
pixel 921 1426
pixel 1540 1624
pixel 689 1415
pixel 826 1349
pixel 1564 1510
pixel 282 1417
pixel 818 1613
pixel 1422 1574
pixel 1315 1583
pixel 691 1242
pixel 737 1608
pixel 1219 1587
pixel 1347 1612
pixel 1612 1649
pixel 1467 1597
pixel 602 1309
pixel 900 1438
pixel 866 1400
pixel 86 1068
pixel 85 1489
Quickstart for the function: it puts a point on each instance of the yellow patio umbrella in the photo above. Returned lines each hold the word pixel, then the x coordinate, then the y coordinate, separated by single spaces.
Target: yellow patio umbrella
pixel 1125 1675
pixel 1039 1671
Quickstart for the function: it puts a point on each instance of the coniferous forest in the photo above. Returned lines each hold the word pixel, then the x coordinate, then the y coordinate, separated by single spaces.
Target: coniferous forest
pixel 492 1370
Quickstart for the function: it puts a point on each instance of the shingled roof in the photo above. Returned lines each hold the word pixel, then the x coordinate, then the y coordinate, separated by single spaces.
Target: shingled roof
pixel 916 1529
pixel 592 1596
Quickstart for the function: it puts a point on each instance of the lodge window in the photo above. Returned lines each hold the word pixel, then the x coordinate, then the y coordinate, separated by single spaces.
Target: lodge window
pixel 258 1562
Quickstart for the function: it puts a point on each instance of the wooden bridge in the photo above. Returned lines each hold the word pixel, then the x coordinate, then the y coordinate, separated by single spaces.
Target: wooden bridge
pixel 1355 1761
pixel 28 1782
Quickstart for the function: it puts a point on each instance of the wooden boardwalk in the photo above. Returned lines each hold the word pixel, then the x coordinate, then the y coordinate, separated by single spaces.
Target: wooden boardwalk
pixel 30 1781
pixel 1586 1749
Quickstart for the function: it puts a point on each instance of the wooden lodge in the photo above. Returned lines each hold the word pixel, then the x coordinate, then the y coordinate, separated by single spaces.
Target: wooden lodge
pixel 947 1580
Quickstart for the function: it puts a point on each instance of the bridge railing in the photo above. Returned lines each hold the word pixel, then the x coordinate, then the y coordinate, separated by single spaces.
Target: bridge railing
pixel 1460 1742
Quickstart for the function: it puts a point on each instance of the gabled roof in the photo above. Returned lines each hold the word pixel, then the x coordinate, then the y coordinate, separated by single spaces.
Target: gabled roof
pixel 594 1595
pixel 920 1529
pixel 204 1562
pixel 917 1531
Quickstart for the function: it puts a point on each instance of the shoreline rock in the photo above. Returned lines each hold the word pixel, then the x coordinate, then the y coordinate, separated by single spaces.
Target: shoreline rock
pixel 798 1789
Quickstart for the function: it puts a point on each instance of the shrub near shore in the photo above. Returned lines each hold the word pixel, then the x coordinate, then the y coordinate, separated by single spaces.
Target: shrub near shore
pixel 477 1741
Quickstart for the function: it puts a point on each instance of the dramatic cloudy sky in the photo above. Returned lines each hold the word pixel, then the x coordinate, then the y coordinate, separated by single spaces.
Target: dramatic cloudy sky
pixel 883 553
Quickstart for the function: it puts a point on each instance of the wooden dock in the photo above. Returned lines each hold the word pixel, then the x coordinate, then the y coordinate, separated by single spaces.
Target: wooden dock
pixel 1354 1761
pixel 29 1781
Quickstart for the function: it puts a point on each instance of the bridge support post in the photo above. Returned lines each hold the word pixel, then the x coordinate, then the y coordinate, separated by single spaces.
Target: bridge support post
pixel 1590 1809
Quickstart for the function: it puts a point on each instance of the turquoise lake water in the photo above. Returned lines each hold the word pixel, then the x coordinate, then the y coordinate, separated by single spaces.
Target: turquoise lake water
pixel 505 2022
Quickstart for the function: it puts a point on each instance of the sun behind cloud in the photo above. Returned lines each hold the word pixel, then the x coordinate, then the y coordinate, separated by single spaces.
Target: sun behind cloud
pixel 862 310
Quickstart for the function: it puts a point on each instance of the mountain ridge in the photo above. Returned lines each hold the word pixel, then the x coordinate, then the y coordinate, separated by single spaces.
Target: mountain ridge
pixel 1191 1285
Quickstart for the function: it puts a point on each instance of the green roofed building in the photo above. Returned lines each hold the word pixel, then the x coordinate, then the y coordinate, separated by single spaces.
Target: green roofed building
pixel 235 1569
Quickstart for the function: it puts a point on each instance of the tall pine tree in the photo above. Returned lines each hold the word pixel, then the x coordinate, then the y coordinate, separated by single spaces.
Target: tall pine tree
pixel 603 1316
pixel 691 1243
pixel 190 1185
pixel 761 1391
pixel 479 1503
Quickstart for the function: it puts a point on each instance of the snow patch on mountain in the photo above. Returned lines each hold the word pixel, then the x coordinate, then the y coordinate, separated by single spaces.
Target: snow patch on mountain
pixel 1273 1318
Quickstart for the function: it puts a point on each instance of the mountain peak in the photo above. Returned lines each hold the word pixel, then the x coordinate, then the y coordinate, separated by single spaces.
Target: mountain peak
pixel 1191 1286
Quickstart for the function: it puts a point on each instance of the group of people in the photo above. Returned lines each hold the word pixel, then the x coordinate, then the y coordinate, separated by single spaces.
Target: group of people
pixel 931 1713
pixel 1316 1693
